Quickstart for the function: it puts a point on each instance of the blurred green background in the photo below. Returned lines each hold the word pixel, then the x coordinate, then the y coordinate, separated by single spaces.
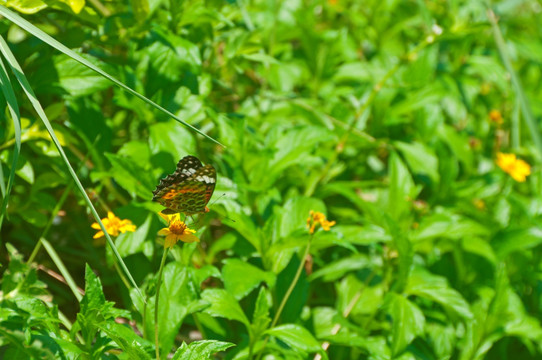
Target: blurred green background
pixel 387 116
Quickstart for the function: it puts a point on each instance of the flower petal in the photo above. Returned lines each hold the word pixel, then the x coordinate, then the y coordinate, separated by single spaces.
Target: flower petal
pixel 169 243
pixel 170 218
pixel 164 232
pixel 95 225
pixel 127 227
pixel 99 234
pixel 189 238
pixel 164 216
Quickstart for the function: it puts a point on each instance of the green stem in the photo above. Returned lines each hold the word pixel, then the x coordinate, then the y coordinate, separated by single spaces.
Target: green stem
pixel 288 292
pixel 159 283
pixel 346 312
pixel 522 98
pixel 293 284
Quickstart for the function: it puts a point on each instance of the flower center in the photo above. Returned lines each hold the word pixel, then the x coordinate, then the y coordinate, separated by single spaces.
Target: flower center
pixel 177 228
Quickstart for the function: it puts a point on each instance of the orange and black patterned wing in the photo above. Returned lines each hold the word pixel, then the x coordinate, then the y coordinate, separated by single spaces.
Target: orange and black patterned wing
pixel 186 167
pixel 188 189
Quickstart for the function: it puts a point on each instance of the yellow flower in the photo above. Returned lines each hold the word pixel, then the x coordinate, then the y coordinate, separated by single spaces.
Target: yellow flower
pixel 485 88
pixel 495 116
pixel 516 168
pixel 316 218
pixel 113 225
pixel 176 230
pixel 479 204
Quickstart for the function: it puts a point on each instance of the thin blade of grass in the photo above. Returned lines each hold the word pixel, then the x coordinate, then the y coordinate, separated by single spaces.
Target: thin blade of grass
pixel 515 133
pixel 37 106
pixel 60 266
pixel 525 108
pixel 13 107
pixel 19 21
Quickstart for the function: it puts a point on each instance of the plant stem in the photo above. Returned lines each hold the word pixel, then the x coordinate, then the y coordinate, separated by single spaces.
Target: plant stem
pixel 346 312
pixel 522 98
pixel 289 291
pixel 158 284
pixel 293 284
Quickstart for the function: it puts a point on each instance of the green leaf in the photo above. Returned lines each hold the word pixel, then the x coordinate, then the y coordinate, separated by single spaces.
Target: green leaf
pixel 260 318
pixel 141 9
pixel 170 55
pixel 13 107
pixel 94 298
pixel 450 226
pixel 223 304
pixel 479 247
pixel 369 296
pixel 131 176
pixel 512 240
pixel 424 284
pixel 458 143
pixel 261 58
pixel 178 298
pixel 339 268
pixel 164 138
pixel 26 172
pixel 401 189
pixel 18 347
pixel 408 322
pixel 442 339
pixel 131 344
pixel 420 158
pixel 18 271
pixel 26 6
pixel 78 79
pixel 296 337
pixel 200 350
pixel 362 235
pixel 405 251
pixel 133 242
pixel 241 277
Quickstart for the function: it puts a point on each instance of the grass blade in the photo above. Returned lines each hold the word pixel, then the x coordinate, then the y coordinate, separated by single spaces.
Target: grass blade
pixel 37 106
pixel 525 108
pixel 13 107
pixel 16 19
pixel 60 266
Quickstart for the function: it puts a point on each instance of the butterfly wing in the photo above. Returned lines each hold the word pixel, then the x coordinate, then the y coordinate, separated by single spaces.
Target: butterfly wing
pixel 186 167
pixel 188 189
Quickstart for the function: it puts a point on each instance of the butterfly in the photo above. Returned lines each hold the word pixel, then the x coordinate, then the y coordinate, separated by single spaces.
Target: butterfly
pixel 188 189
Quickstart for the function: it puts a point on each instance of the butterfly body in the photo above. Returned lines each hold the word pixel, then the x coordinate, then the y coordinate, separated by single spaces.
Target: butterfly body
pixel 188 189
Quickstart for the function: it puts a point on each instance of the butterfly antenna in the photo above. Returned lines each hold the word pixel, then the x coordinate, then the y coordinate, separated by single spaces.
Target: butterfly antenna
pixel 220 197
pixel 194 222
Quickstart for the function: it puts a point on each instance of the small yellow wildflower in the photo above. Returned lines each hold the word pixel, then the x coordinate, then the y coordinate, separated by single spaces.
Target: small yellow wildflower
pixel 485 88
pixel 316 218
pixel 113 225
pixel 176 230
pixel 479 204
pixel 495 116
pixel 516 168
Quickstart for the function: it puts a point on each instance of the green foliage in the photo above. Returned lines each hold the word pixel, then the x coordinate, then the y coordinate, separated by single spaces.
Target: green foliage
pixel 387 117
